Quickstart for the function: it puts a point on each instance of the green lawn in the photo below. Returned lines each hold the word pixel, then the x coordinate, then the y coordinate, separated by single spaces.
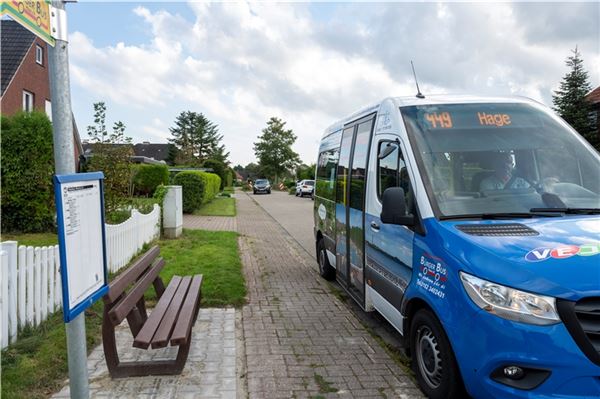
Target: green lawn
pixel 229 190
pixel 214 254
pixel 34 239
pixel 36 365
pixel 221 206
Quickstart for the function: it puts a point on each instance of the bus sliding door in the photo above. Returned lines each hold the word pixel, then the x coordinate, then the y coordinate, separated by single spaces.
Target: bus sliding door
pixel 350 240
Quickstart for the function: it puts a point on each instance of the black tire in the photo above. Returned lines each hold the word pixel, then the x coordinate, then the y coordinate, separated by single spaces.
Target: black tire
pixel 325 269
pixel 433 359
pixel 269 192
pixel 254 192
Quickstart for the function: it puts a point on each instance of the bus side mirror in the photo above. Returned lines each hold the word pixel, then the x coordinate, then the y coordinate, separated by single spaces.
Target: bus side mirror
pixel 393 210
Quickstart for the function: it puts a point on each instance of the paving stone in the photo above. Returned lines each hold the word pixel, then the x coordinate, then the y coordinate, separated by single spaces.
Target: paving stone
pixel 297 333
pixel 213 223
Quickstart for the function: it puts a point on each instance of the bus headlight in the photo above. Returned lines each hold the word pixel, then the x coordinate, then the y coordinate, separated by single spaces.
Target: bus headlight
pixel 510 303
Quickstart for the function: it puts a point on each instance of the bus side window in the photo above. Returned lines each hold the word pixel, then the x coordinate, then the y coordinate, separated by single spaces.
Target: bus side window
pixel 392 172
pixel 326 167
pixel 387 166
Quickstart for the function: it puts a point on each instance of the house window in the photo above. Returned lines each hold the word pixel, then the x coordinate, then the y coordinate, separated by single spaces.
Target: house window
pixel 49 109
pixel 27 101
pixel 39 54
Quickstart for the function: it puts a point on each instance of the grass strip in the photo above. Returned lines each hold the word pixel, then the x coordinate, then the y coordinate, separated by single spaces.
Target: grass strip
pixel 218 207
pixel 33 239
pixel 213 254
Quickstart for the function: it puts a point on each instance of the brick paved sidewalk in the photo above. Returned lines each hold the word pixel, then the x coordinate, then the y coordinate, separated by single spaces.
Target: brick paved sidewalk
pixel 212 223
pixel 300 341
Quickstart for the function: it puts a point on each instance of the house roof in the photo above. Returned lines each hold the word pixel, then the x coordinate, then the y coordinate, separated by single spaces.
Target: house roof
pixel 158 151
pixel 15 43
pixel 594 96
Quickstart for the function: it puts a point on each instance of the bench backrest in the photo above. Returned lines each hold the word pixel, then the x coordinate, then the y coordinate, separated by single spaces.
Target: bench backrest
pixel 139 276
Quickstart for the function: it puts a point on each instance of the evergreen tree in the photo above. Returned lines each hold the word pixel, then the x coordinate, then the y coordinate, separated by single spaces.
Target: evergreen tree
pixel 195 137
pixel 570 103
pixel 172 154
pixel 274 149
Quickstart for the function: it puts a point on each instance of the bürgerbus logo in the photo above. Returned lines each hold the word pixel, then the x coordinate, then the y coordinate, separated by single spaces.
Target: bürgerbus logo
pixel 562 252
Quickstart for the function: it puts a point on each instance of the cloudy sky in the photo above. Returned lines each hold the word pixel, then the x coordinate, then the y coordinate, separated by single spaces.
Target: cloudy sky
pixel 310 63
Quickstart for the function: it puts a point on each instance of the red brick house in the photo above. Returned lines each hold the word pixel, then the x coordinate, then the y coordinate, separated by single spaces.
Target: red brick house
pixel 594 98
pixel 24 79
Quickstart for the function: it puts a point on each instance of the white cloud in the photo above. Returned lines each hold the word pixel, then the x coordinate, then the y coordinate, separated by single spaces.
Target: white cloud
pixel 241 63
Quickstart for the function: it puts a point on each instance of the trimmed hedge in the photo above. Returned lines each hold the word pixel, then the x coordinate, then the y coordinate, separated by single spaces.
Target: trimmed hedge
pixel 198 188
pixel 147 177
pixel 192 189
pixel 212 186
pixel 27 166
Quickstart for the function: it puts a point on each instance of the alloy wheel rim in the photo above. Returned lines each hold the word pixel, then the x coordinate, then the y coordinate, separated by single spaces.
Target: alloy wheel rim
pixel 429 358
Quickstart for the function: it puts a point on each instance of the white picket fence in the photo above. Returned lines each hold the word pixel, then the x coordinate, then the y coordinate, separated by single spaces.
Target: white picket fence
pixel 30 285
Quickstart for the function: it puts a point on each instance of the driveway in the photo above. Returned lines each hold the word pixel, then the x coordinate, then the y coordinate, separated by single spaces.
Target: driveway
pixel 294 214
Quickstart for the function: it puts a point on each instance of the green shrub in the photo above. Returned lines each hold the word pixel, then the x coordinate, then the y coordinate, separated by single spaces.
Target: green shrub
pixel 147 177
pixel 26 166
pixel 218 168
pixel 229 178
pixel 212 186
pixel 289 183
pixel 292 190
pixel 192 189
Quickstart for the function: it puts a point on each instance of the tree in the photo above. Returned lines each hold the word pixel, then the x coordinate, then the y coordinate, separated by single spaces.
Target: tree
pixel 111 154
pixel 196 139
pixel 274 149
pixel 172 154
pixel 570 103
pixel 305 172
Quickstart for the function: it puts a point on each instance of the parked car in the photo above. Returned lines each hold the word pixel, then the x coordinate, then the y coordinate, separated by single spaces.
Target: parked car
pixel 261 186
pixel 305 187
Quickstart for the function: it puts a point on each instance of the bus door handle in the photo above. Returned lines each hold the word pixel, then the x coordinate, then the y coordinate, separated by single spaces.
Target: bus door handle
pixel 375 226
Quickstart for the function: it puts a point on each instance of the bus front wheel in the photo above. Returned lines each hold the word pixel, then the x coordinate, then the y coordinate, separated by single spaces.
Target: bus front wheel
pixel 325 269
pixel 433 360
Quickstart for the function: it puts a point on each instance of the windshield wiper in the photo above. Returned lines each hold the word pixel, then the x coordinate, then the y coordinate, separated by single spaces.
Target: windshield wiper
pixel 574 211
pixel 502 215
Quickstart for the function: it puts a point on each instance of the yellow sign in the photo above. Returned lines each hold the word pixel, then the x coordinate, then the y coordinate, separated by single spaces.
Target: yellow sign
pixel 32 14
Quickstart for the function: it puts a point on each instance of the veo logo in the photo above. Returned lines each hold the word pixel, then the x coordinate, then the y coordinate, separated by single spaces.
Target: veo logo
pixel 562 252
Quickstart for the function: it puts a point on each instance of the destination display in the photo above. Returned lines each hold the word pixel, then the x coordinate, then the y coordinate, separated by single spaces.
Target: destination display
pixel 469 116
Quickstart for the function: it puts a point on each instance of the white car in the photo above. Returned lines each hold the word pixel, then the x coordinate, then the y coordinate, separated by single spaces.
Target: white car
pixel 305 187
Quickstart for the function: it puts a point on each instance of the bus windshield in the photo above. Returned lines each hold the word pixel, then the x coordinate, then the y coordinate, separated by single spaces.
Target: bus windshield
pixel 480 159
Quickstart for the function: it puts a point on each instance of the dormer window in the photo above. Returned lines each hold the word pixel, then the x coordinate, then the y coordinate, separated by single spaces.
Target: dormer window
pixel 39 54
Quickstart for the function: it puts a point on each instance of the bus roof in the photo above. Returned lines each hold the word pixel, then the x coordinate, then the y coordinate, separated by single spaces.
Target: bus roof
pixel 428 100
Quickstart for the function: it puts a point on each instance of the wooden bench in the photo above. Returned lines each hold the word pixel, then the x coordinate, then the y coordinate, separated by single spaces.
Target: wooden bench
pixel 171 320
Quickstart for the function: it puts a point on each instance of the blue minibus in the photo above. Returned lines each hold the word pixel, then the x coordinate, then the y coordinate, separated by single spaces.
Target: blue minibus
pixel 472 224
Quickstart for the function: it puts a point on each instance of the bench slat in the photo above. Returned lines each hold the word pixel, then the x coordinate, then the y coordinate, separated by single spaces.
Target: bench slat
pixel 161 337
pixel 118 285
pixel 181 332
pixel 118 313
pixel 144 337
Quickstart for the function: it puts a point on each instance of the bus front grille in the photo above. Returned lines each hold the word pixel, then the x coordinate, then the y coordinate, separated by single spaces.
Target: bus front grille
pixel 582 319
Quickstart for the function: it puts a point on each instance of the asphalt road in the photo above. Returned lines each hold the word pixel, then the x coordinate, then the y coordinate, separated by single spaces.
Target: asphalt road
pixel 294 214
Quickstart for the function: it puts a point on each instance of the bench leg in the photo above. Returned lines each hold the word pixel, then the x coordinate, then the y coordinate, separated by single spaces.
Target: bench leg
pixel 157 367
pixel 118 369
